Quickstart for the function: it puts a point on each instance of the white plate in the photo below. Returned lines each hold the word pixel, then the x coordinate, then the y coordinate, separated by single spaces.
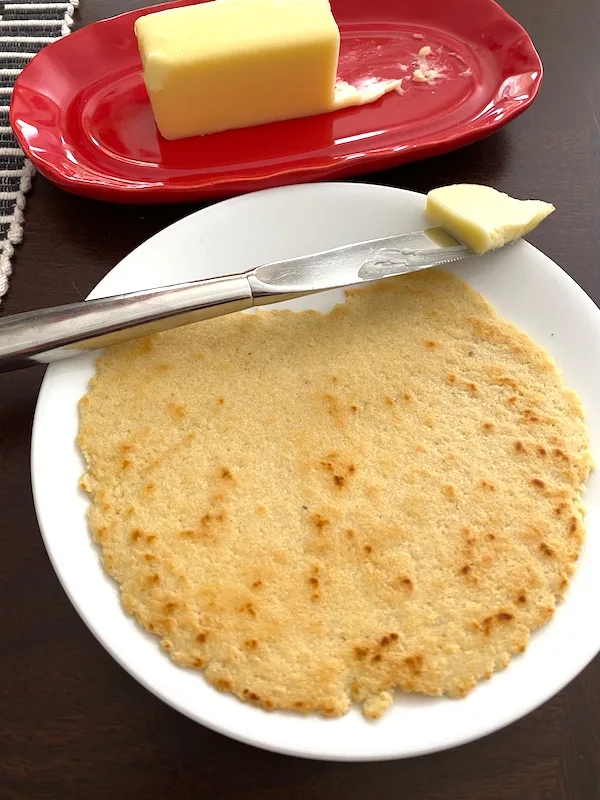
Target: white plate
pixel 524 285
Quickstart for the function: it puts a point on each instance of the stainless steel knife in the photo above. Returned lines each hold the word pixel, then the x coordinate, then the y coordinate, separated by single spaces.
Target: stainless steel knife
pixel 40 337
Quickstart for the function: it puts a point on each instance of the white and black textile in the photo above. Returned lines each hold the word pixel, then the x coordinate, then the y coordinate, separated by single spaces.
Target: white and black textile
pixel 25 27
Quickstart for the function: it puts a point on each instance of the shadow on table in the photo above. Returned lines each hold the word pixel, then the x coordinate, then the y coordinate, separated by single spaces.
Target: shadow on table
pixel 482 162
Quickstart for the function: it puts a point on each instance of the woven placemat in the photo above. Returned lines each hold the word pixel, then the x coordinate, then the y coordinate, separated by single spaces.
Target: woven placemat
pixel 26 26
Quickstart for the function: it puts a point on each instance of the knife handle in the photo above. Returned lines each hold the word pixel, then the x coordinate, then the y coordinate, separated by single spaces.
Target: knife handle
pixel 39 337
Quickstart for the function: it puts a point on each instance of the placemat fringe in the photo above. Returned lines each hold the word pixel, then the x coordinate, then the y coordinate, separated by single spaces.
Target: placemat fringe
pixel 25 27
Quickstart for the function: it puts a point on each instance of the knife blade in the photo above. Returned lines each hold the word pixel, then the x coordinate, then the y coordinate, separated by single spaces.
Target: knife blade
pixel 40 337
pixel 363 261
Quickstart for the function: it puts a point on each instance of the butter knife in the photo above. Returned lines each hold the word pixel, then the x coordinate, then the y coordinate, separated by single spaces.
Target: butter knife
pixel 40 337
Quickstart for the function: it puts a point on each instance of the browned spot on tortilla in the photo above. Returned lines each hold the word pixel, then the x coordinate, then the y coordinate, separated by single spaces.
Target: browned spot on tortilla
pixel 178 410
pixel 414 663
pixel 248 608
pixel 318 522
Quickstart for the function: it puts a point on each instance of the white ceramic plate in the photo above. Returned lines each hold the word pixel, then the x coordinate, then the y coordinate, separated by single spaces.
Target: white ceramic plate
pixel 524 285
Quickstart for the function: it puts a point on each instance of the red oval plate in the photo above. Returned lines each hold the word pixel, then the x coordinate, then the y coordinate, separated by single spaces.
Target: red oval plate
pixel 81 113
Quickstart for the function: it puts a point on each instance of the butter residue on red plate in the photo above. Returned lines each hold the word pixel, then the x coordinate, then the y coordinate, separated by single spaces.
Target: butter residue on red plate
pixel 425 71
pixel 367 91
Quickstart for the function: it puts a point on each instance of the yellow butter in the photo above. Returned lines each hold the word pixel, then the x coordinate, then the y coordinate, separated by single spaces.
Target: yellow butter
pixel 481 217
pixel 235 63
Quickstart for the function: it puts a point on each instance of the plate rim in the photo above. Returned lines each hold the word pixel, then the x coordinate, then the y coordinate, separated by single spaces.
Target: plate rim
pixel 284 748
pixel 86 180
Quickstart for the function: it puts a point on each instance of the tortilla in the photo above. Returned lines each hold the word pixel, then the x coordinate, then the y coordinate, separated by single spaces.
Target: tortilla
pixel 317 509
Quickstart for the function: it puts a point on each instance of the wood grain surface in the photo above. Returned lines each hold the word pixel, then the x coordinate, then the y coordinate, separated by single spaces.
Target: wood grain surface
pixel 73 723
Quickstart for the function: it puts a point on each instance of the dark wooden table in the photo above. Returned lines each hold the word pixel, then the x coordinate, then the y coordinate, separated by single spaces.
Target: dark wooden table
pixel 73 724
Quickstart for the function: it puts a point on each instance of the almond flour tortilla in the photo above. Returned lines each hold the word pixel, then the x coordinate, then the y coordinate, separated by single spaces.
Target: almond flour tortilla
pixel 316 509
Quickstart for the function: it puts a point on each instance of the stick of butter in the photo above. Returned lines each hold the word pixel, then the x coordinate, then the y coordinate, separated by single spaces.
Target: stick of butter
pixel 234 63
pixel 481 217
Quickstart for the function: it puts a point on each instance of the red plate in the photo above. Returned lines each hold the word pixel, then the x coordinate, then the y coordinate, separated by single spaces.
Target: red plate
pixel 81 113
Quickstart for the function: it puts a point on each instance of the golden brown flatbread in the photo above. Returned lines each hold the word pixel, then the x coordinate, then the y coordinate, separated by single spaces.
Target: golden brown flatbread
pixel 318 508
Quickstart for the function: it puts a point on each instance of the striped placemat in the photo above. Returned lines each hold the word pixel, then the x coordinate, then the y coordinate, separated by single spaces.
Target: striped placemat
pixel 25 27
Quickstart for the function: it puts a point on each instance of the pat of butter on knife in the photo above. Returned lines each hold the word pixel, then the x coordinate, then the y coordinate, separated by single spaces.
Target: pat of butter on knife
pixel 229 64
pixel 483 218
